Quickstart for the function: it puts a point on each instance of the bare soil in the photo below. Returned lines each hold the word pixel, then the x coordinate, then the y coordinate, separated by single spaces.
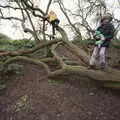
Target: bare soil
pixel 68 98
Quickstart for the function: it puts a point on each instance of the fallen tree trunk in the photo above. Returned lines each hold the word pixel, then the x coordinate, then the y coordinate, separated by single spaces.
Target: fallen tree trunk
pixel 82 55
pixel 111 80
pixel 92 74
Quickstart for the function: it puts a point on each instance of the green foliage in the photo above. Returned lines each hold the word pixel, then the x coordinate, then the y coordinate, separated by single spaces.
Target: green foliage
pixel 14 69
pixel 23 44
pixel 4 39
pixel 7 47
pixel 8 44
pixel 78 41
pixel 2 36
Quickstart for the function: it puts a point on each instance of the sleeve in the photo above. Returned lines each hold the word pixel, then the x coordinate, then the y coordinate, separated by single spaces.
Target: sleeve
pixel 110 34
pixel 98 29
pixel 99 33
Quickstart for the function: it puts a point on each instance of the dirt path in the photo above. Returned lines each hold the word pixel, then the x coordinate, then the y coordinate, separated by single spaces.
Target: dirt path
pixel 33 97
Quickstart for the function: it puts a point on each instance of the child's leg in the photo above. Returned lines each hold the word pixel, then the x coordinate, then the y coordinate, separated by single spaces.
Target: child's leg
pixel 53 30
pixel 57 22
pixel 53 27
pixel 103 51
pixel 94 56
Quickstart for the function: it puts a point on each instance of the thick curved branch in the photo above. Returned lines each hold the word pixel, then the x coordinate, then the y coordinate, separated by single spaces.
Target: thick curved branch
pixel 21 52
pixel 27 60
pixel 53 50
pixel 107 79
pixel 82 55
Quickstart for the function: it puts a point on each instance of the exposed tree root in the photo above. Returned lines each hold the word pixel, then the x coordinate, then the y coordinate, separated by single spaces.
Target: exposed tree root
pixel 27 60
pixel 47 60
pixel 111 80
pixel 107 78
pixel 58 58
pixel 113 85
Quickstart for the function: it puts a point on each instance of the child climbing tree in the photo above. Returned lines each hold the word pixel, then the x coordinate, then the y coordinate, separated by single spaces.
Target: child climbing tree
pixel 54 21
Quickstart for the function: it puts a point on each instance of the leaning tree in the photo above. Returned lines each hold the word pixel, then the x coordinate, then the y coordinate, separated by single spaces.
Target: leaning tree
pixel 29 13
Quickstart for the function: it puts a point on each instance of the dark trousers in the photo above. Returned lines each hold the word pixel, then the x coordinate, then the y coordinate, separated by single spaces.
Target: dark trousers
pixel 54 25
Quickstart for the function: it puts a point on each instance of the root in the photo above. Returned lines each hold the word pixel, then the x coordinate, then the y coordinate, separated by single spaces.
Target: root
pixel 107 78
pixel 58 58
pixel 27 60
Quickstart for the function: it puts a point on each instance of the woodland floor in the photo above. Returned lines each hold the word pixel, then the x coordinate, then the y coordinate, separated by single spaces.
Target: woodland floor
pixel 32 96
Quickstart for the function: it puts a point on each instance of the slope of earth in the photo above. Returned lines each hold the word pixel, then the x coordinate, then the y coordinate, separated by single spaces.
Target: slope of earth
pixel 34 97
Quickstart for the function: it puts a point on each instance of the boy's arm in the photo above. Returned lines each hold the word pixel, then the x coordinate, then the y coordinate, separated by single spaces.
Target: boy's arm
pixel 99 35
pixel 111 33
pixel 102 37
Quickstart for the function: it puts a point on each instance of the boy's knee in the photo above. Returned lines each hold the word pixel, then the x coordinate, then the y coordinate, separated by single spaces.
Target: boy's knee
pixel 95 56
pixel 102 54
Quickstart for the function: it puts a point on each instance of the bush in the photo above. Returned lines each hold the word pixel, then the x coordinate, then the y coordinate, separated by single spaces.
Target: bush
pixel 14 69
pixel 4 39
pixel 83 42
pixel 11 45
pixel 23 44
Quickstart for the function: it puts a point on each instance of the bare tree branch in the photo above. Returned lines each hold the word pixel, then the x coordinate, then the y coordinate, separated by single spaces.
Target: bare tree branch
pixel 48 6
pixel 62 8
pixel 10 18
pixel 35 35
pixel 8 6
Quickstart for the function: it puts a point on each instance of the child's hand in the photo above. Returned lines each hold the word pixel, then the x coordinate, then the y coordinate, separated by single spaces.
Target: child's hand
pixel 102 38
pixel 98 37
pixel 100 42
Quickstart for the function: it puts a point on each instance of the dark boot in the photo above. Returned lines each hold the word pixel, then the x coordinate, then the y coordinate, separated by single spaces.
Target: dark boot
pixel 102 66
pixel 53 30
pixel 53 37
pixel 91 67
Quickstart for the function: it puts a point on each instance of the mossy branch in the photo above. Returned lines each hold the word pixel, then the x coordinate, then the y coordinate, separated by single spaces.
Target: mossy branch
pixel 80 53
pixel 27 60
pixel 58 58
pixel 24 52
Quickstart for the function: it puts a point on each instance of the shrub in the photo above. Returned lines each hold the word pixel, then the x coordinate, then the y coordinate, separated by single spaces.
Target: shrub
pixel 11 45
pixel 14 69
pixel 23 44
pixel 83 42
